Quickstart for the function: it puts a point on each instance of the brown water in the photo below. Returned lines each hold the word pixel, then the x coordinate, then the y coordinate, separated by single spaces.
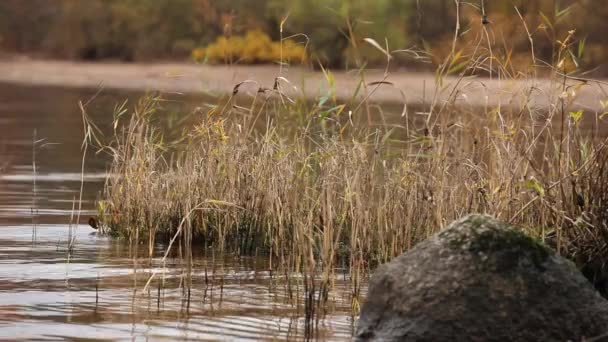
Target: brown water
pixel 96 292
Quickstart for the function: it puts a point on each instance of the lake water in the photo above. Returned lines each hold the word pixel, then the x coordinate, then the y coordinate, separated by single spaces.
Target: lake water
pixel 62 281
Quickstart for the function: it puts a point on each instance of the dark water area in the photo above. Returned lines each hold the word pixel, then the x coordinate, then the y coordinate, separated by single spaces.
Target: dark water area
pixel 43 126
pixel 62 281
pixel 51 117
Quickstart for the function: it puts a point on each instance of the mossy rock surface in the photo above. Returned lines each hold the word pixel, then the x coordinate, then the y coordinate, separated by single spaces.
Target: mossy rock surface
pixel 481 280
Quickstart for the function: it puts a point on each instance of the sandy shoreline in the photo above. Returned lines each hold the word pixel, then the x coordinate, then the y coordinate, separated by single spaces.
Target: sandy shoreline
pixel 191 78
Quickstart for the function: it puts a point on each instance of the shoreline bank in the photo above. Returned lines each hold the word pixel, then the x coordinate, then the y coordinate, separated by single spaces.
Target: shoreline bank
pixel 411 87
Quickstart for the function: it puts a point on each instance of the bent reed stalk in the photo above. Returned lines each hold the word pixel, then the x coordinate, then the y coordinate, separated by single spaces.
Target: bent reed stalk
pixel 314 188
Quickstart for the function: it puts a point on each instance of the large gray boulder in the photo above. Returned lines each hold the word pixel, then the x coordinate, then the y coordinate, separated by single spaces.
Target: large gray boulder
pixel 481 280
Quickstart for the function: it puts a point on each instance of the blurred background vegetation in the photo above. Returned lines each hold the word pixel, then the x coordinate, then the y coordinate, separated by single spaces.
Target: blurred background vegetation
pixel 246 31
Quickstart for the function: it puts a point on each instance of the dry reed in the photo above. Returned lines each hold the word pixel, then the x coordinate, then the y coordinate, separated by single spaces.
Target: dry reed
pixel 314 186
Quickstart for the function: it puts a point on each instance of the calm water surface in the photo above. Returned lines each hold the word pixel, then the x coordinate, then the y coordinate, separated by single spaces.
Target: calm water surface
pixel 96 293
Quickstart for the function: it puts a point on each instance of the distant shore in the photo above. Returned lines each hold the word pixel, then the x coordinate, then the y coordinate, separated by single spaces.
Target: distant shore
pixel 414 87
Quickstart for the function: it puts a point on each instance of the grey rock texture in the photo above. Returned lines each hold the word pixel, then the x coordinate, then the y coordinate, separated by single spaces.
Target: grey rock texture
pixel 481 280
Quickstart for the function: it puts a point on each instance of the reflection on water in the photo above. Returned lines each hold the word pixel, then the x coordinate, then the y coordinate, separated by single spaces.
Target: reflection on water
pixel 96 292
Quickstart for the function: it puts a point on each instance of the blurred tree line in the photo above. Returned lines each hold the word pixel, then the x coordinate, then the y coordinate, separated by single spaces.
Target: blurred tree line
pixel 135 30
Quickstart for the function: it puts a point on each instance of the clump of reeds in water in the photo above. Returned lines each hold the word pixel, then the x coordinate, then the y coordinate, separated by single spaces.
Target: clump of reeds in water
pixel 314 196
pixel 329 191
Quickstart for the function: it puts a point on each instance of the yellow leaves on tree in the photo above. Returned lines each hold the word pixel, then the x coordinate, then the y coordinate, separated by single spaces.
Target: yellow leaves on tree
pixel 255 47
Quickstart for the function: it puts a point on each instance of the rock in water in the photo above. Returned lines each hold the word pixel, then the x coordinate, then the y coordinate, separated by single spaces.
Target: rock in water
pixel 481 280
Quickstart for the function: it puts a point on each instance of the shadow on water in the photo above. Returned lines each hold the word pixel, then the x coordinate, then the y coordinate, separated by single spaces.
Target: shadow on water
pixel 94 291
